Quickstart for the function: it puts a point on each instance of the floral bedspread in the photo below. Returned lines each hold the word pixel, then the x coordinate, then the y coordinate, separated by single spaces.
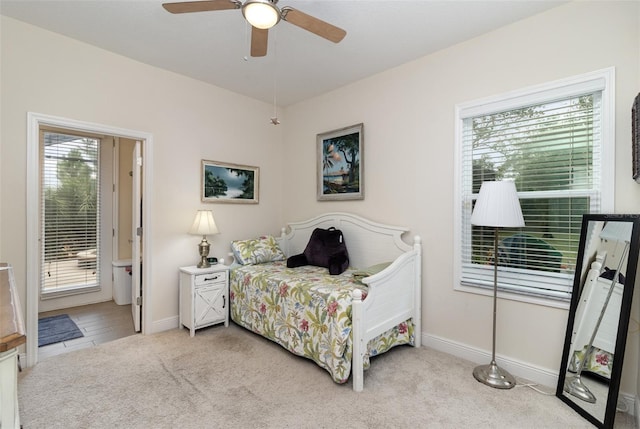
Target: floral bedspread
pixel 307 311
pixel 599 362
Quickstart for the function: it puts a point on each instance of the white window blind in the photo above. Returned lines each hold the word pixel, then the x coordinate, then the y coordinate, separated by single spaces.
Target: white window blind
pixel 70 210
pixel 550 144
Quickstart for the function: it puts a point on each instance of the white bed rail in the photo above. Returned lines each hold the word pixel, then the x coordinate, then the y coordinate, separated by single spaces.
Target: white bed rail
pixel 394 296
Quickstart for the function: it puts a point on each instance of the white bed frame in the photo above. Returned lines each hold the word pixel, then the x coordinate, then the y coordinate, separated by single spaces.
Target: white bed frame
pixel 394 293
pixel 592 299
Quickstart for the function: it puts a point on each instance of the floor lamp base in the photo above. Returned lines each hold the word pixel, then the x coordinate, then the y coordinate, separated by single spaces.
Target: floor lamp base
pixel 574 386
pixel 493 376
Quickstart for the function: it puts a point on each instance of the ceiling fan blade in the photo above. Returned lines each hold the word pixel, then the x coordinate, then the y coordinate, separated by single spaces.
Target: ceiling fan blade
pixel 312 24
pixel 201 6
pixel 259 39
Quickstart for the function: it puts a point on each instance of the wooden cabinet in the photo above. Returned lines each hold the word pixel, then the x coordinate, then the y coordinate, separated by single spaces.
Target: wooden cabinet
pixel 11 337
pixel 204 297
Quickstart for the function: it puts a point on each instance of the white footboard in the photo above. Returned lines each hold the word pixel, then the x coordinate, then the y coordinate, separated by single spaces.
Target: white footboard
pixel 394 296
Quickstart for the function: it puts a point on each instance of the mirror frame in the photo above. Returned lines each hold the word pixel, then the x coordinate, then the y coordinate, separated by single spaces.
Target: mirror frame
pixel 623 323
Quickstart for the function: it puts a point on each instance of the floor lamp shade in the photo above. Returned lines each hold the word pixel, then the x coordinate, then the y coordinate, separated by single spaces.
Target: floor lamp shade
pixel 497 206
pixel 204 225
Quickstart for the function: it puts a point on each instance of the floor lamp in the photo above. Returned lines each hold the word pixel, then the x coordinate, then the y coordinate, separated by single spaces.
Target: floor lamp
pixel 497 206
pixel 613 231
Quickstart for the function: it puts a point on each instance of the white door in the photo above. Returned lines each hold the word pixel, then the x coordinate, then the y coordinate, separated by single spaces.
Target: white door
pixel 136 277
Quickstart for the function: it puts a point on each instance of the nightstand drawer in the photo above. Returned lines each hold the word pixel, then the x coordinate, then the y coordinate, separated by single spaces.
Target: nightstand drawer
pixel 203 279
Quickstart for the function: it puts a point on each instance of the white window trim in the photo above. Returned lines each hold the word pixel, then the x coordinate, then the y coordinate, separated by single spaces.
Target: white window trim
pixel 597 80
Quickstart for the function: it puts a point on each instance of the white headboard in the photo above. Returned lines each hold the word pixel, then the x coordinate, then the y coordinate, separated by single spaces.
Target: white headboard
pixel 368 242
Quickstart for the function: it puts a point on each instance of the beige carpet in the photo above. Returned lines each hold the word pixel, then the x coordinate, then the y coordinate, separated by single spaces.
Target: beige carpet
pixel 229 377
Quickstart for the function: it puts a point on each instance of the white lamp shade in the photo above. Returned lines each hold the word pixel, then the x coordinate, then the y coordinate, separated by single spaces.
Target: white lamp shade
pixel 617 231
pixel 261 13
pixel 204 224
pixel 498 206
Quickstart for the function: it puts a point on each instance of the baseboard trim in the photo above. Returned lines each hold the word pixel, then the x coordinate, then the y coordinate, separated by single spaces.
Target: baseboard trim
pixel 165 324
pixel 519 369
pixel 630 404
pixel 538 375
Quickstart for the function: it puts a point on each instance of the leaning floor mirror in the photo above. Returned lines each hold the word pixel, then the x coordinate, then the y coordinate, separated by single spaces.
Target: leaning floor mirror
pixel 599 316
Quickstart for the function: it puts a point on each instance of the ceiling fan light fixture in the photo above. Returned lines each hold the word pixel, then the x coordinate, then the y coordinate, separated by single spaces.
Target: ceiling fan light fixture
pixel 262 14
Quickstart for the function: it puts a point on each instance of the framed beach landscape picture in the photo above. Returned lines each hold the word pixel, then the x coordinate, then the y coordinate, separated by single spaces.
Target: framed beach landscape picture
pixel 340 166
pixel 229 183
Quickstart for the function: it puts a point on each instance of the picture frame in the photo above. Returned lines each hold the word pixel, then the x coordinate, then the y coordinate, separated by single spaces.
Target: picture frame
pixel 340 166
pixel 223 182
pixel 635 138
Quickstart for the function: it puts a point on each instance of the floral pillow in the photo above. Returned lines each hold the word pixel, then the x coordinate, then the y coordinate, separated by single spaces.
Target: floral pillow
pixel 257 251
pixel 599 362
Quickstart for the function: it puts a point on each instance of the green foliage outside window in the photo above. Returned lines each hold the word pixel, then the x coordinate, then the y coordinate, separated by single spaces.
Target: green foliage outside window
pixel 547 150
pixel 71 199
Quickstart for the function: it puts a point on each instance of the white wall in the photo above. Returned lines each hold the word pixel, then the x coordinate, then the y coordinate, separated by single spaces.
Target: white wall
pixel 50 74
pixel 408 116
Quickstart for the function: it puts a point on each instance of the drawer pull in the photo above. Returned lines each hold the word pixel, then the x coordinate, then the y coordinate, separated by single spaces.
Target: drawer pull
pixel 224 301
pixel 211 278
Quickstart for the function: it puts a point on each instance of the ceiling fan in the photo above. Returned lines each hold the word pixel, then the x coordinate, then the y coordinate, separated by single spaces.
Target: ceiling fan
pixel 262 15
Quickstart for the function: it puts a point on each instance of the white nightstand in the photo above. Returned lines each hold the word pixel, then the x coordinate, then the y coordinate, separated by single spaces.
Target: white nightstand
pixel 204 296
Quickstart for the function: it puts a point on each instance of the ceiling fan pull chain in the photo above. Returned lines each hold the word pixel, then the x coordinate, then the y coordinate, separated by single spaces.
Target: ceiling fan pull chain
pixel 274 119
pixel 247 46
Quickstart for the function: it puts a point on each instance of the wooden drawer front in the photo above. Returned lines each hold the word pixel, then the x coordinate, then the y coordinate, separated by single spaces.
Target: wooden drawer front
pixel 211 278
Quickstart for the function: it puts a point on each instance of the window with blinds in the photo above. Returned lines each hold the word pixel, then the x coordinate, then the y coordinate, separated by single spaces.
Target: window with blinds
pixel 70 212
pixel 550 143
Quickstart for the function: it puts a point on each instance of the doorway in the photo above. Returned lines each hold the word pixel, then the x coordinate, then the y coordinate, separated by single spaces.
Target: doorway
pixel 36 123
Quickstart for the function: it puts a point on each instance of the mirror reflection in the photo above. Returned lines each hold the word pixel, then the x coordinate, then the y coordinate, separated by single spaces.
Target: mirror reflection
pixel 599 315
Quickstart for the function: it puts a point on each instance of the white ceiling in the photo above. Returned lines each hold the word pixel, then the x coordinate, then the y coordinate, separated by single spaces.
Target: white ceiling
pixel 214 46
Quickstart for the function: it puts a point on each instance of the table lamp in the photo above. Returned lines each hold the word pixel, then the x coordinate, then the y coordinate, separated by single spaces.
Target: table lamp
pixel 204 225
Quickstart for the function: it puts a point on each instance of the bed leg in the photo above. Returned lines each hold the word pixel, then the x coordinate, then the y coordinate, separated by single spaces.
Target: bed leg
pixel 417 320
pixel 357 365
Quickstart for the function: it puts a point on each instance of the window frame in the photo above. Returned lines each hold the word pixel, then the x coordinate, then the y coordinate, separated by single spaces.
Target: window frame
pixel 600 80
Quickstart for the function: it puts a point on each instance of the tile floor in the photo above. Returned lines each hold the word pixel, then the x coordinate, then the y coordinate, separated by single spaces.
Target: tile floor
pixel 99 323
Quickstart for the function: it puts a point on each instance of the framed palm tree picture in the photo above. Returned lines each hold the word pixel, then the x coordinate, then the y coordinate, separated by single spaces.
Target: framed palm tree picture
pixel 340 164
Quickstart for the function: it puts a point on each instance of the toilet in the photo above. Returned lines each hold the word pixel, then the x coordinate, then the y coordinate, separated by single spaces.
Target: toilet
pixel 122 281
